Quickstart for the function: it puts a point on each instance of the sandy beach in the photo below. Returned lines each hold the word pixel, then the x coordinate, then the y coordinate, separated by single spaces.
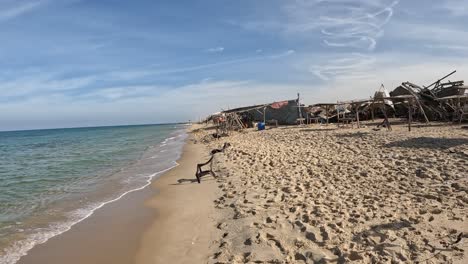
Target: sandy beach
pixel 317 194
pixel 298 194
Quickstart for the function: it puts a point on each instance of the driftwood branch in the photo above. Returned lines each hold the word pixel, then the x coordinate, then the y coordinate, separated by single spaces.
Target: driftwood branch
pixel 200 172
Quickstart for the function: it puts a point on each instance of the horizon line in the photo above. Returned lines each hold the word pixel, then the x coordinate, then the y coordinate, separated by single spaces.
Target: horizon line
pixel 104 126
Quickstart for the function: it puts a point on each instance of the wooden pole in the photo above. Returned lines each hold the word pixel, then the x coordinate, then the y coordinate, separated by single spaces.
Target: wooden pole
pixel 326 109
pixel 338 114
pixel 299 105
pixel 357 116
pixel 384 111
pixel 264 115
pixel 459 110
pixel 410 116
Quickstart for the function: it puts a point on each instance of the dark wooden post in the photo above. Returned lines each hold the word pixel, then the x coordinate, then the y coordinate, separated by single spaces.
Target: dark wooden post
pixel 460 110
pixel 357 116
pixel 326 110
pixel 410 115
pixel 338 108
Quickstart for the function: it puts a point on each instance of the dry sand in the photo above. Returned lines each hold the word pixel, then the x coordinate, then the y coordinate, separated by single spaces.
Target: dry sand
pixel 325 195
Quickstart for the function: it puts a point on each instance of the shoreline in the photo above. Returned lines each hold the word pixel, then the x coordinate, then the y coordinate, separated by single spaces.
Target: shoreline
pixel 77 246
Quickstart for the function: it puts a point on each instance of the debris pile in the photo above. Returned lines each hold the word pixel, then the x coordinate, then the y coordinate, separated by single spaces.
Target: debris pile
pixel 440 101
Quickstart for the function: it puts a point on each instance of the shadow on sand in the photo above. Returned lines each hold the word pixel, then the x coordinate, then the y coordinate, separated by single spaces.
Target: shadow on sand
pixel 190 181
pixel 317 129
pixel 429 143
pixel 376 238
pixel 353 135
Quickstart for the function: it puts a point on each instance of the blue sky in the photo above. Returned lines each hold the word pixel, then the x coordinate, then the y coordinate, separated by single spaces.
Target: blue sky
pixel 68 63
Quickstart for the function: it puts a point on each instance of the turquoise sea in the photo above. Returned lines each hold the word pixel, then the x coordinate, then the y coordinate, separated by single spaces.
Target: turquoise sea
pixel 52 179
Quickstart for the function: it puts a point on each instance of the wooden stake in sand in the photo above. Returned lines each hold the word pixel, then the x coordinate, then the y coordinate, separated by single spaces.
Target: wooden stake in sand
pixel 386 122
pixel 357 116
pixel 410 114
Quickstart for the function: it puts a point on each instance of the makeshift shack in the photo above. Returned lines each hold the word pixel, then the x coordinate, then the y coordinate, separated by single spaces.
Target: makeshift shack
pixel 284 112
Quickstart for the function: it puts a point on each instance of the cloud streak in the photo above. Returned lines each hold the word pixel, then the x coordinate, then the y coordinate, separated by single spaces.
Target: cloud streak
pixel 352 66
pixel 223 63
pixel 215 50
pixel 11 11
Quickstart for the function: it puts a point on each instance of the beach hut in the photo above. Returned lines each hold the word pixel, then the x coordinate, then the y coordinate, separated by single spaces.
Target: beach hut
pixel 282 112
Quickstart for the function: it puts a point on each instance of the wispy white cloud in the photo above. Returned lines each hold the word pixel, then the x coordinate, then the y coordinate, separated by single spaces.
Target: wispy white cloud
pixel 13 9
pixel 226 62
pixel 44 82
pixel 343 23
pixel 350 27
pixel 215 50
pixel 447 47
pixel 162 70
pixel 120 92
pixel 355 64
pixel 362 41
pixel 281 55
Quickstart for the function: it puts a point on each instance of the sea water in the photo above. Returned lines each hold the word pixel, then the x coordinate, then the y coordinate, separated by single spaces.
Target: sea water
pixel 53 179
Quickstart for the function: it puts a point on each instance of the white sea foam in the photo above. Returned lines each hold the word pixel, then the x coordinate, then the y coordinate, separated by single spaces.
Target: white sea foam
pixel 12 254
pixel 167 140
